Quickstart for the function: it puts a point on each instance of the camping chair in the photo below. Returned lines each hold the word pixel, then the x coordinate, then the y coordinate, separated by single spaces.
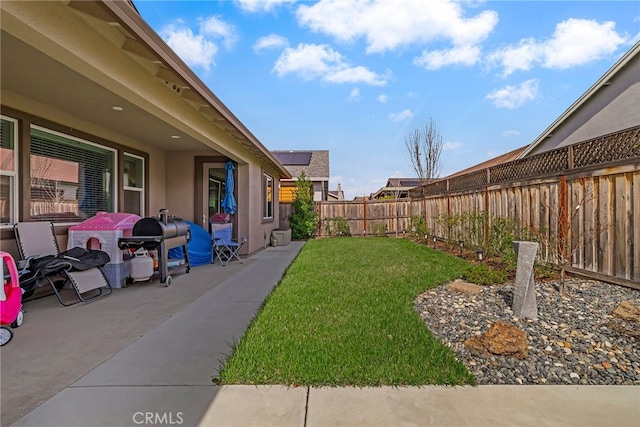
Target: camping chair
pixel 223 246
pixel 37 245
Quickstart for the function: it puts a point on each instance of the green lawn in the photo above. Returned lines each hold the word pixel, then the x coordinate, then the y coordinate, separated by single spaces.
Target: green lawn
pixel 343 315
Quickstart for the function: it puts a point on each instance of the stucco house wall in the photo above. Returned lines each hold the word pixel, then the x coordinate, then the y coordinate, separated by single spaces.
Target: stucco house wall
pixel 609 105
pixel 77 59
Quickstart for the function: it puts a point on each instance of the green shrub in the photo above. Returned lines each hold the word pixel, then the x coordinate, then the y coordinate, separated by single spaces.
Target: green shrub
pixel 336 227
pixel 502 233
pixel 418 226
pixel 452 225
pixel 379 229
pixel 481 274
pixel 304 219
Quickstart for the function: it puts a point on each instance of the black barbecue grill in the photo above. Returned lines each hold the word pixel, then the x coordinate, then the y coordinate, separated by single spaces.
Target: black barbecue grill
pixel 163 232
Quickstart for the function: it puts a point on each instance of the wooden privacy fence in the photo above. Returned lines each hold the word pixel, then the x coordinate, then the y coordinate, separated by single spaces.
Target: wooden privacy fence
pixel 582 203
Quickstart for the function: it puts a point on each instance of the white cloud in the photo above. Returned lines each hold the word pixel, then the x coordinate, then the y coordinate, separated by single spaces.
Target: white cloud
pixel 434 60
pixel 310 61
pixel 383 98
pixel 272 41
pixel 194 49
pixel 387 25
pixel 448 146
pixel 261 5
pixel 218 29
pixel 355 75
pixel 510 133
pixel 520 57
pixel 579 41
pixel 307 61
pixel 354 95
pixel 512 97
pixel 199 49
pixel 574 42
pixel 401 116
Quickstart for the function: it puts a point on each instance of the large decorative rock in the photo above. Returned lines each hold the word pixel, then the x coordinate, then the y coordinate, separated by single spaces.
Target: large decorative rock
pixel 460 285
pixel 627 311
pixel 502 339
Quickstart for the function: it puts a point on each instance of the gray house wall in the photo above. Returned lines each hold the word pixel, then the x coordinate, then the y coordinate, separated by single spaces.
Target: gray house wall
pixel 610 105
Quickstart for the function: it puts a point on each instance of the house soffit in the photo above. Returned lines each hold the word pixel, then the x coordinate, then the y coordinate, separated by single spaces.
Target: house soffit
pixel 46 80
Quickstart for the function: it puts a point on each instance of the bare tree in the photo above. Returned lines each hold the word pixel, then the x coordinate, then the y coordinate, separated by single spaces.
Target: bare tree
pixel 424 149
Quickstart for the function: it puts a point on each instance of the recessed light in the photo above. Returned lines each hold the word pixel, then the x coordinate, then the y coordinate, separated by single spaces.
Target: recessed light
pixel 175 136
pixel 117 108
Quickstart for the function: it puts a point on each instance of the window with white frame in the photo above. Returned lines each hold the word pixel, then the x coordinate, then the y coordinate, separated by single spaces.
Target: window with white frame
pixel 8 171
pixel 134 186
pixel 71 179
pixel 267 196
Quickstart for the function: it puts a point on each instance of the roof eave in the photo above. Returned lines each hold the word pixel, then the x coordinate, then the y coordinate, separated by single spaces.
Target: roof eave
pixel 131 18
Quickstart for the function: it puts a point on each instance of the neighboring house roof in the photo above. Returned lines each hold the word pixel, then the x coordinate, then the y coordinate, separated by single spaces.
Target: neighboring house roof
pixel 336 194
pixel 314 163
pixel 407 182
pixel 618 90
pixel 399 187
pixel 504 158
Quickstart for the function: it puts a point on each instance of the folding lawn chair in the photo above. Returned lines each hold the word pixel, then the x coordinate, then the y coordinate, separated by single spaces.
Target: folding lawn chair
pixel 223 246
pixel 82 269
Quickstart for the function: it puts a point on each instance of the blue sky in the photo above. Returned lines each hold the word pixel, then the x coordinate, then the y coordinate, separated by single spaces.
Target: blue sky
pixel 355 77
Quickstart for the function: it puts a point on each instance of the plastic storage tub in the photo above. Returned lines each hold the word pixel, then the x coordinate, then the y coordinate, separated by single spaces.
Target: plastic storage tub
pixel 102 232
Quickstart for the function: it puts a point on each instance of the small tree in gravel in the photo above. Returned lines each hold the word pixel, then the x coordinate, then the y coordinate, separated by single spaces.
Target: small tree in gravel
pixel 304 219
pixel 566 243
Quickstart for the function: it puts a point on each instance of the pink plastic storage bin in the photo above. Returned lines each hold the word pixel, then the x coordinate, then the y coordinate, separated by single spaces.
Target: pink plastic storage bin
pixel 102 232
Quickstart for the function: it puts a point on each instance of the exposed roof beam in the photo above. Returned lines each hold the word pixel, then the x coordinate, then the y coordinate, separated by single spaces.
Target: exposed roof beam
pixel 134 46
pixel 94 9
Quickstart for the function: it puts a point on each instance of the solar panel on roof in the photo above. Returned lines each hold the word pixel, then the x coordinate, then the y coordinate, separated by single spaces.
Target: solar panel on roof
pixel 301 158
pixel 297 158
pixel 283 158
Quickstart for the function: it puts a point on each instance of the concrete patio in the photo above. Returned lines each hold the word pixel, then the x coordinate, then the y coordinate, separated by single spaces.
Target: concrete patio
pixel 208 308
pixel 147 355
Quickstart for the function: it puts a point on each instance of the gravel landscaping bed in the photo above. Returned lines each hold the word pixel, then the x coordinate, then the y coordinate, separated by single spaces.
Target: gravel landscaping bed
pixel 574 340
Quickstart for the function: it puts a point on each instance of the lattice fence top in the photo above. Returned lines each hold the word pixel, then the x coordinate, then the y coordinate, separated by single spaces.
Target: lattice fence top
pixel 619 146
pixel 473 179
pixel 614 147
pixel 541 164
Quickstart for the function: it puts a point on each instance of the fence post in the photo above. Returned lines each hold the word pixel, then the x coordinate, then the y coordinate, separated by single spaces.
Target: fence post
pixel 562 204
pixel 364 210
pixel 426 221
pixel 320 218
pixel 486 218
pixel 570 156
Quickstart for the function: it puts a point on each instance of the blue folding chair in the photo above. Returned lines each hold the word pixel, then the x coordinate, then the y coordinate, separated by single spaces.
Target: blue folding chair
pixel 223 246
